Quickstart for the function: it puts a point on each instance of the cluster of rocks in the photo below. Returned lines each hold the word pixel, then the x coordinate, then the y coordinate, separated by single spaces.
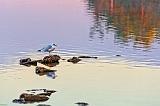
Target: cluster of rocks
pixel 50 61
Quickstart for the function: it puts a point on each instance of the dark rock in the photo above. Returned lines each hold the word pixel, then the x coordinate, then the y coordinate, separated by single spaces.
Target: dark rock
pixel 33 98
pixel 51 59
pixel 34 90
pixel 82 104
pixel 28 62
pixel 74 60
pixel 87 57
pixel 25 61
pixel 43 70
pixel 118 55
pixel 43 105
pixel 50 64
pixel 46 94
pixel 20 101
pixel 22 61
pixel 50 91
pixel 63 59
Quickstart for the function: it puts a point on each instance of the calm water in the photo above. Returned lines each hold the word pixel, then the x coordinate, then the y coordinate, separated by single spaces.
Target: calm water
pixel 130 28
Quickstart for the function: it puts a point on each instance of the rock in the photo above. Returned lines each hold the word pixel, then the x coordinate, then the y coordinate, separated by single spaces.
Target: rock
pixel 22 61
pixel 28 62
pixel 82 104
pixel 43 105
pixel 50 91
pixel 118 55
pixel 20 101
pixel 50 64
pixel 33 98
pixel 25 61
pixel 43 70
pixel 51 59
pixel 74 60
pixel 87 57
pixel 46 94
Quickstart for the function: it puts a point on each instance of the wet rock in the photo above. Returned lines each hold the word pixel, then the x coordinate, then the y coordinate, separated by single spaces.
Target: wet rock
pixel 74 60
pixel 82 104
pixel 20 101
pixel 51 59
pixel 43 70
pixel 25 61
pixel 87 57
pixel 51 64
pixel 28 62
pixel 33 98
pixel 46 94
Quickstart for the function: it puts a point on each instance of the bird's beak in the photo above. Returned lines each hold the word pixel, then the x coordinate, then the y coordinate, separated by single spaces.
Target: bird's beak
pixel 54 44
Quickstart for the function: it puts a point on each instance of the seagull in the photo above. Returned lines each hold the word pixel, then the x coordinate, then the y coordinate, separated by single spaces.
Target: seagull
pixel 48 48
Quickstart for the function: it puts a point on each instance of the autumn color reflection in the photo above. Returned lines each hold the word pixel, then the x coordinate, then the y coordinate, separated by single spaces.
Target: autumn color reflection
pixel 133 20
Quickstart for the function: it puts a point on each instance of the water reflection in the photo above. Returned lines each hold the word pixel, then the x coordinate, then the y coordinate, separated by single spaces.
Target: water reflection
pixel 43 71
pixel 51 75
pixel 134 21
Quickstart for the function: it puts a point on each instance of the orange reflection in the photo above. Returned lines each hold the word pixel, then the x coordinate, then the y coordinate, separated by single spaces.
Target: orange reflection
pixel 135 19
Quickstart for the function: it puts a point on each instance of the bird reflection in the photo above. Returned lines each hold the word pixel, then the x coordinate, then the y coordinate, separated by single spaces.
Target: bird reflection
pixel 50 73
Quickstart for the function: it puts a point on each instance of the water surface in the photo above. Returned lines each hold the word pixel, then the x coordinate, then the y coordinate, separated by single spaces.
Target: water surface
pixel 102 27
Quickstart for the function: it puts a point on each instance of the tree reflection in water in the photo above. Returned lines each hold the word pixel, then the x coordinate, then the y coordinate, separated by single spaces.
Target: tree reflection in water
pixel 134 21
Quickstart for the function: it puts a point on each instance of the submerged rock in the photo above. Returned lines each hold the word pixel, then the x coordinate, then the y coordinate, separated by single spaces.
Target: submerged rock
pixel 118 55
pixel 43 105
pixel 82 104
pixel 74 60
pixel 87 57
